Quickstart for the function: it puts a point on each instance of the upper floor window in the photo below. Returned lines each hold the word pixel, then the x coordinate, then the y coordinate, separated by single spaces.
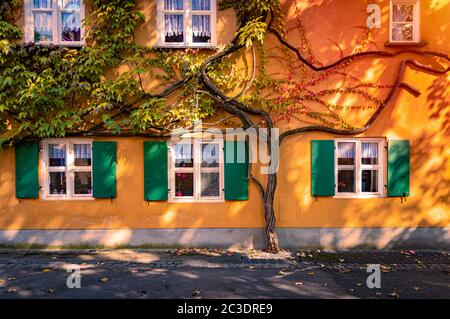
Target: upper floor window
pixel 67 169
pixel 405 21
pixel 359 167
pixel 54 21
pixel 196 171
pixel 187 23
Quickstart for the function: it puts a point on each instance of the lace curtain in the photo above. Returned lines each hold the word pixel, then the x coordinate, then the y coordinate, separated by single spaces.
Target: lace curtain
pixel 369 150
pixel 201 26
pixel 173 4
pixel 201 5
pixel 173 24
pixel 346 150
pixel 82 151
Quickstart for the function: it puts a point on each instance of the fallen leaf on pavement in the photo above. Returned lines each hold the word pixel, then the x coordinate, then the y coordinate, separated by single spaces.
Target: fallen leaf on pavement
pixel 104 279
pixel 311 273
pixel 378 293
pixel 11 278
pixel 50 291
pixel 341 260
pixel 359 284
pixel 45 270
pixel 394 295
pixel 299 283
pixel 12 290
pixel 416 288
pixel 196 293
pixel 2 281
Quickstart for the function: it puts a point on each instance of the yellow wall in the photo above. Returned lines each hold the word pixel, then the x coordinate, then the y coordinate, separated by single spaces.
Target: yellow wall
pixel 423 120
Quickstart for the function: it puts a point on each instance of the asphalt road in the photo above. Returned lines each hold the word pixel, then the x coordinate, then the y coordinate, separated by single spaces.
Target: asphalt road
pixel 28 277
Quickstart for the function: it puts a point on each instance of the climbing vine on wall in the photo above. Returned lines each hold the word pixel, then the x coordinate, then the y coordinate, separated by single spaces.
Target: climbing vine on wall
pixel 101 89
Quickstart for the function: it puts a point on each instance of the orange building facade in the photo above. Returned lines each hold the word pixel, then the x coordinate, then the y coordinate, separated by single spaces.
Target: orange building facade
pixel 358 213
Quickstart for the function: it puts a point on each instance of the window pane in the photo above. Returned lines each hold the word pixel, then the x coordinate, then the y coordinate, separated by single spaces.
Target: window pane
pixel 201 29
pixel 173 28
pixel 57 183
pixel 83 184
pixel 71 26
pixel 346 153
pixel 201 5
pixel 70 4
pixel 210 184
pixel 183 155
pixel 82 154
pixel 346 181
pixel 402 12
pixel 42 4
pixel 210 155
pixel 57 154
pixel 42 26
pixel 173 4
pixel 402 32
pixel 369 153
pixel 184 184
pixel 369 181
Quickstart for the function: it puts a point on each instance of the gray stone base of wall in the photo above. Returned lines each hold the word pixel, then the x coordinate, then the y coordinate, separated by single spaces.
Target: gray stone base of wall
pixel 325 238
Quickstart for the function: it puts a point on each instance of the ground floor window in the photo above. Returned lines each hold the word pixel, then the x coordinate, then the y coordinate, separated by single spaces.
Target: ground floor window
pixel 196 171
pixel 67 169
pixel 359 167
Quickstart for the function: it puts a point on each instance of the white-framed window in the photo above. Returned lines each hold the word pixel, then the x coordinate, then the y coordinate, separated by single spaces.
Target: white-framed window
pixel 404 21
pixel 196 171
pixel 54 22
pixel 359 165
pixel 66 169
pixel 187 23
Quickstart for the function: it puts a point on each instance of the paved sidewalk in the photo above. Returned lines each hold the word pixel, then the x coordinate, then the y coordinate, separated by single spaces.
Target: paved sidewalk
pixel 196 273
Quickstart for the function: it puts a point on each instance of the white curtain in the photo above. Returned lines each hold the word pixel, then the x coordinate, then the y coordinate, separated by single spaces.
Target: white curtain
pixel 201 25
pixel 173 4
pixel 43 22
pixel 173 24
pixel 57 151
pixel 70 4
pixel 183 151
pixel 201 5
pixel 210 153
pixel 42 4
pixel 369 150
pixel 82 151
pixel 71 21
pixel 346 150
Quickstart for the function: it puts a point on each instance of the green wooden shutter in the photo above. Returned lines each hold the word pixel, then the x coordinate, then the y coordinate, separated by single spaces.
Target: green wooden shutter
pixel 155 171
pixel 322 168
pixel 27 180
pixel 104 169
pixel 398 168
pixel 236 174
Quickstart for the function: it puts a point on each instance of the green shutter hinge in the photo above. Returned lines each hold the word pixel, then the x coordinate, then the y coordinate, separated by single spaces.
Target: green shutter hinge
pixel 316 196
pixel 112 198
pixel 403 198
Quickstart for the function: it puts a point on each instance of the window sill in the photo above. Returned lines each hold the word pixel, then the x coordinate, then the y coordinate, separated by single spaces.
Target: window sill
pixel 363 196
pixel 185 46
pixel 406 44
pixel 196 201
pixel 77 45
pixel 75 199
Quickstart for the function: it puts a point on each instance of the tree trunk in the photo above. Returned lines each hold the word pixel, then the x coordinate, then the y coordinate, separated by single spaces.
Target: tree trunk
pixel 272 243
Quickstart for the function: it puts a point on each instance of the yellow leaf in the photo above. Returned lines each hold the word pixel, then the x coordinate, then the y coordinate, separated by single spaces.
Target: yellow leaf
pixel 104 279
pixel 311 273
pixel 45 270
pixel 394 295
